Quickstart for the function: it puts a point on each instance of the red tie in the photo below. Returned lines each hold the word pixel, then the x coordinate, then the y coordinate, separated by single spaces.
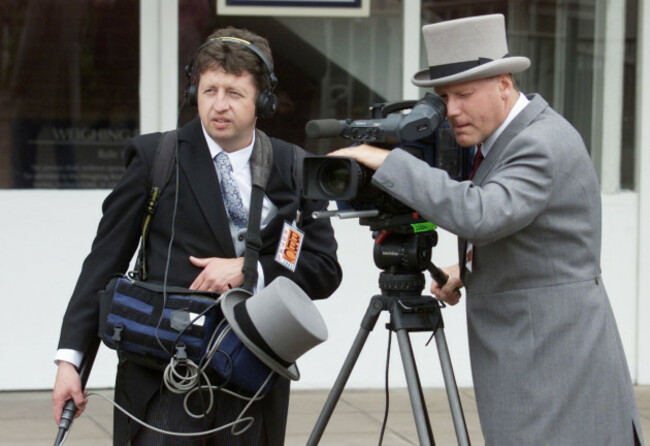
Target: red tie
pixel 478 159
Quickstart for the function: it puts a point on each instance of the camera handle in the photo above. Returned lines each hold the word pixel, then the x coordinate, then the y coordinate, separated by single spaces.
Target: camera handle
pixel 410 313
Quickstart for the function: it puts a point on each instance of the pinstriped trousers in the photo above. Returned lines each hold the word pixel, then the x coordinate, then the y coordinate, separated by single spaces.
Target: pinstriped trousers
pixel 166 411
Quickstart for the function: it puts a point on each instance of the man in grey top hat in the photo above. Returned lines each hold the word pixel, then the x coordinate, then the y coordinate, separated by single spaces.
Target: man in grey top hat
pixel 547 361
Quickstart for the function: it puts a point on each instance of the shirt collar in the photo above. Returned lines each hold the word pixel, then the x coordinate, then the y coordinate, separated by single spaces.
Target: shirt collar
pixel 521 103
pixel 239 158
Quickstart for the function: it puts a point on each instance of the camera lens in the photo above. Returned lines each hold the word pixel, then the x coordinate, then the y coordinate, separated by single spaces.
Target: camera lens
pixel 334 177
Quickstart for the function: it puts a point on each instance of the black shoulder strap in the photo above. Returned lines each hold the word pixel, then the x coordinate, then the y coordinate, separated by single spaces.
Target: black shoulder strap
pixel 261 164
pixel 263 161
pixel 299 156
pixel 159 175
pixel 163 161
pixel 253 239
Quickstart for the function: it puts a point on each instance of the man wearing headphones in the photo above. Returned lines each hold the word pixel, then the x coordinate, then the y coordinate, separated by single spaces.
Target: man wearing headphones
pixel 231 82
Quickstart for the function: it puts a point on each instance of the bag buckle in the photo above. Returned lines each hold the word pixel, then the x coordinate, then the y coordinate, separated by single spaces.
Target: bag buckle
pixel 117 333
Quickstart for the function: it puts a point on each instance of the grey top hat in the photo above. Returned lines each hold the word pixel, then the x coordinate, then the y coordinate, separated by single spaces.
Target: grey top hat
pixel 278 325
pixel 467 49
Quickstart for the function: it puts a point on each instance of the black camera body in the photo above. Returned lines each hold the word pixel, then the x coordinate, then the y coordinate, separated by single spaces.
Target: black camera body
pixel 423 132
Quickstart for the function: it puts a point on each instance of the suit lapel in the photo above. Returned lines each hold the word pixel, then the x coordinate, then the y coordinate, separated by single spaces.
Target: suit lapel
pixel 197 165
pixel 521 121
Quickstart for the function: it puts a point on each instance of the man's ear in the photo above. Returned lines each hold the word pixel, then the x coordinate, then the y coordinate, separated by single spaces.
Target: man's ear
pixel 506 84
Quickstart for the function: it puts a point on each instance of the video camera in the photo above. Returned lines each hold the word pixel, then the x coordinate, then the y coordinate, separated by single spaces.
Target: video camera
pixel 423 132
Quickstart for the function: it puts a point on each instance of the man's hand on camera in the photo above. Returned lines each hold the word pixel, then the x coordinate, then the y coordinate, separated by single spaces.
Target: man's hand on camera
pixel 450 292
pixel 218 274
pixel 370 156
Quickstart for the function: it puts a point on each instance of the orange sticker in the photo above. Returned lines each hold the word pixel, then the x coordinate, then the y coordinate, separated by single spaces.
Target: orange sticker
pixel 289 246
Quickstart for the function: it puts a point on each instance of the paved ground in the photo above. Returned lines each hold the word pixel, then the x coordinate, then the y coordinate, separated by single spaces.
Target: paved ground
pixel 26 418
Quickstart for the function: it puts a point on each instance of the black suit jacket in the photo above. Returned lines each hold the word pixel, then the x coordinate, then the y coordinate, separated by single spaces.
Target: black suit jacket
pixel 201 230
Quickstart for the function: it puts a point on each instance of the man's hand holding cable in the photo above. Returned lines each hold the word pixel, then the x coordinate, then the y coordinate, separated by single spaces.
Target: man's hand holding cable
pixel 450 292
pixel 218 274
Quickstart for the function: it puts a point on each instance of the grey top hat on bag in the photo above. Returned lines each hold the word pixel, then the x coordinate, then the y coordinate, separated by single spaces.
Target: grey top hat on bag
pixel 278 325
pixel 467 49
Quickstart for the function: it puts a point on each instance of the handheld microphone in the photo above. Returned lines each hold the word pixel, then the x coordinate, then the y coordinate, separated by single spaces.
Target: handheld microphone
pixel 69 410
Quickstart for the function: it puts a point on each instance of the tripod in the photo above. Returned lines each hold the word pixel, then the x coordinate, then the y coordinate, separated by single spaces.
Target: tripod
pixel 409 311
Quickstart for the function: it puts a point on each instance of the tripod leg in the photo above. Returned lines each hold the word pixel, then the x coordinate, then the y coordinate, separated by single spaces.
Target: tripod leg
pixel 425 434
pixel 452 390
pixel 368 323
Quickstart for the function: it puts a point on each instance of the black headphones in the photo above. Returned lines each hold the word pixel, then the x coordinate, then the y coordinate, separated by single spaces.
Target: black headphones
pixel 267 101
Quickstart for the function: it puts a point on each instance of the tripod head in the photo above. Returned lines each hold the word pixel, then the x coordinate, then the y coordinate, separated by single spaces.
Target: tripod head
pixel 402 250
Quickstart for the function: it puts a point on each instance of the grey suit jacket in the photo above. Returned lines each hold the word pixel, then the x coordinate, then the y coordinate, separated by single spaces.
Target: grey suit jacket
pixel 547 361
